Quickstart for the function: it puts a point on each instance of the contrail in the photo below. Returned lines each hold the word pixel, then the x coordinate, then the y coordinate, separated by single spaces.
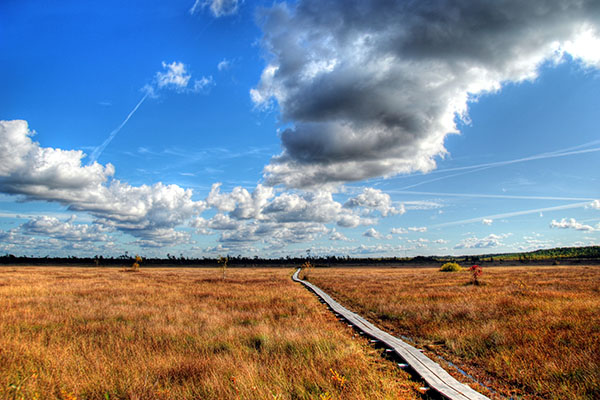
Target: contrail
pixel 490 196
pixel 443 177
pixel 570 151
pixel 512 214
pixel 542 156
pixel 98 150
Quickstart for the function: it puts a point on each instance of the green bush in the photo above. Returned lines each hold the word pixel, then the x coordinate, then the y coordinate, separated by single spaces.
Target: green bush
pixel 451 267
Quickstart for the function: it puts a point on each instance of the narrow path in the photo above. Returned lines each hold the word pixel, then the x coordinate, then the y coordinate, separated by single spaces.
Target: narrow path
pixel 431 372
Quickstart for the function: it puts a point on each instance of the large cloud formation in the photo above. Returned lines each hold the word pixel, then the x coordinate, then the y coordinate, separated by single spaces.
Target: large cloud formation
pixel 149 212
pixel 372 88
pixel 154 214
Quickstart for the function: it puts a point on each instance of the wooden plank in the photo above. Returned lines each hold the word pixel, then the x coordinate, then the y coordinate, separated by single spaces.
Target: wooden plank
pixel 431 372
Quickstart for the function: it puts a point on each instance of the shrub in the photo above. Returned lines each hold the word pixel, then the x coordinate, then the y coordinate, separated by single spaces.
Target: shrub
pixel 476 272
pixel 451 267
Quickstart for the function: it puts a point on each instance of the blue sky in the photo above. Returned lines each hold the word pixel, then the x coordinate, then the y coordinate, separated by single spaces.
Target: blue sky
pixel 260 128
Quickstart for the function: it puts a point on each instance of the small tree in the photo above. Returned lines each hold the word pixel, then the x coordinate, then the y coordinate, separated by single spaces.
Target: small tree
pixel 136 264
pixel 476 272
pixel 306 268
pixel 223 263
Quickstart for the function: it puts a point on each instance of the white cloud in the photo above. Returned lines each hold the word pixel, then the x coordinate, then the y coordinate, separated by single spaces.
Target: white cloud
pixel 421 205
pixel 224 65
pixel 398 231
pixel 481 243
pixel 418 243
pixel 67 230
pixel 417 229
pixel 277 234
pixel 375 199
pixel 372 233
pixel 535 242
pixel 222 222
pixel 218 8
pixel 273 219
pixel 203 84
pixel 338 236
pixel 46 174
pixel 571 223
pixel 595 205
pixel 487 221
pixel 43 173
pixel 176 76
pixel 240 203
pixel 417 81
pixel 354 220
pixel 21 242
pixel 311 206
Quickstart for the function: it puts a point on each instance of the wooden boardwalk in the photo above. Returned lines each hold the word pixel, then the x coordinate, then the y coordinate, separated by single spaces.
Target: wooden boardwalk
pixel 435 376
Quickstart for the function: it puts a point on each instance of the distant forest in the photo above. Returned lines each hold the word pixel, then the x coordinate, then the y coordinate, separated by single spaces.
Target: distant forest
pixel 562 255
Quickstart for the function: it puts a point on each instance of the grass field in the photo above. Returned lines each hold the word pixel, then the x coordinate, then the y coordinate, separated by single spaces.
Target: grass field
pixel 526 331
pixel 76 333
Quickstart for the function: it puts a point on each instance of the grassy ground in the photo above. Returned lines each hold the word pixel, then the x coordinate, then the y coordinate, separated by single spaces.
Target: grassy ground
pixel 531 332
pixel 74 333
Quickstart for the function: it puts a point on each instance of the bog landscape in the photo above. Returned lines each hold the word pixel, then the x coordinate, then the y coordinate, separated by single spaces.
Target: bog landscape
pixel 299 200
pixel 514 329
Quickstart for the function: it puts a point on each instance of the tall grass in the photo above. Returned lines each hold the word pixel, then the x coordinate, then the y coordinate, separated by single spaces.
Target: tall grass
pixel 527 331
pixel 70 333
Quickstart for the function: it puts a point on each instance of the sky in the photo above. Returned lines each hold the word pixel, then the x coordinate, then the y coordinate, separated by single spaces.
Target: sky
pixel 261 128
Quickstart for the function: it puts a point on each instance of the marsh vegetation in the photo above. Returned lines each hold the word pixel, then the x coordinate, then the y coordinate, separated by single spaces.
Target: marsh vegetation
pixel 99 333
pixel 524 331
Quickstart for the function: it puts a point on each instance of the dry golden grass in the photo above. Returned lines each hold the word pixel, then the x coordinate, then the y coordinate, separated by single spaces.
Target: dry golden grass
pixel 531 332
pixel 75 333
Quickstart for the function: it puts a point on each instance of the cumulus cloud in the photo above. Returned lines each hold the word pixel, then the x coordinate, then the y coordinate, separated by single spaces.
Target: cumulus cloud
pixel 218 8
pixel 176 77
pixel 338 236
pixel 417 229
pixel 372 233
pixel 571 223
pixel 595 205
pixel 149 212
pixel 311 206
pixel 474 242
pixel 67 230
pixel 240 202
pixel 369 89
pixel 223 222
pixel 375 199
pixel 44 173
pixel 487 221
pixel 55 239
pixel 398 231
pixel 274 218
pixel 274 234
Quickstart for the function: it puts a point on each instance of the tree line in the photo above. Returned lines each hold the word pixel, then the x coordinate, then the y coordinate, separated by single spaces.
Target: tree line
pixel 567 255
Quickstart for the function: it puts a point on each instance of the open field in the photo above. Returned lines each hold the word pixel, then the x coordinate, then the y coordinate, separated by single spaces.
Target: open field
pixel 527 331
pixel 99 333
